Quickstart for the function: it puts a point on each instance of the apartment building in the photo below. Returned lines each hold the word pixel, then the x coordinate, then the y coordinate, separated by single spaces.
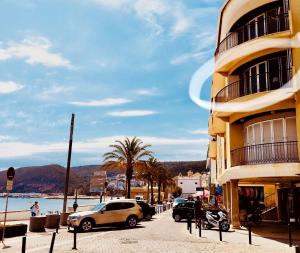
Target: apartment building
pixel 255 118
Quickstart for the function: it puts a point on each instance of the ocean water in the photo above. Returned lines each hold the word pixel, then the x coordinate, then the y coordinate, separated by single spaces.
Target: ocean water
pixel 46 205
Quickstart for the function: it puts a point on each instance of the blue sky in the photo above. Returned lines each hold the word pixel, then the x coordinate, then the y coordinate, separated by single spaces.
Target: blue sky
pixel 122 66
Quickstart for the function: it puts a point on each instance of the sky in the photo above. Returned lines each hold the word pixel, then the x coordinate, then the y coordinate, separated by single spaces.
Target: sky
pixel 122 66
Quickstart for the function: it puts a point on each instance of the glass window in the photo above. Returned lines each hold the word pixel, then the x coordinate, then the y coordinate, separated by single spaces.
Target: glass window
pixel 98 207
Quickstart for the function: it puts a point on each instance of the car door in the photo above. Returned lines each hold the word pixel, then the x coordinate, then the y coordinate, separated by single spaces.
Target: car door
pixel 108 214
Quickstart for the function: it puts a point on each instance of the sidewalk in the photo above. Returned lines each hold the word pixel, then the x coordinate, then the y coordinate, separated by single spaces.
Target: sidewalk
pixel 160 235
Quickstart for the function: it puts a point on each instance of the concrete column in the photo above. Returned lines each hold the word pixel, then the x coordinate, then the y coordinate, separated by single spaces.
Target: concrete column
pixel 235 211
pixel 228 201
pixel 224 195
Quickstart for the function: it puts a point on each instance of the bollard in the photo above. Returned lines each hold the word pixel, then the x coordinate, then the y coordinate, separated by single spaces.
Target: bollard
pixel 199 227
pixel 75 238
pixel 52 242
pixel 220 232
pixel 290 234
pixel 24 244
pixel 297 249
pixel 57 226
pixel 250 235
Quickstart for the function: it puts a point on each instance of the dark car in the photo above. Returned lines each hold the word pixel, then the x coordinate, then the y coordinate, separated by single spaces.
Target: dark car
pixel 179 200
pixel 183 211
pixel 148 211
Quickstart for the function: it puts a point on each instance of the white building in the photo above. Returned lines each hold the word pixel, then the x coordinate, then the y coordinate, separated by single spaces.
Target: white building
pixel 191 183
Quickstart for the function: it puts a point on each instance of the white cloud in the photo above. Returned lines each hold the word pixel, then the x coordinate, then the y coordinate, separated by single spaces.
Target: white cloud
pixel 182 24
pixel 9 87
pixel 50 93
pixel 198 56
pixel 102 102
pixel 132 113
pixel 34 50
pixel 147 92
pixel 113 4
pixel 11 149
pixel 199 131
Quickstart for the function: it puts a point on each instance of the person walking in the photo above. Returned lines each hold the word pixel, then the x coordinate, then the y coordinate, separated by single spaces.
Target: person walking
pixel 35 209
pixel 198 211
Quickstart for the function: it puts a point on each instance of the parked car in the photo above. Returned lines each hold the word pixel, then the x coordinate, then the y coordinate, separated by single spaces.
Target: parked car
pixel 179 200
pixel 148 211
pixel 115 212
pixel 183 210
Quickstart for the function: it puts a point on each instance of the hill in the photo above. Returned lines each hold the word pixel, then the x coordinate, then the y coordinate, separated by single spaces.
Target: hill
pixel 50 178
pixel 42 179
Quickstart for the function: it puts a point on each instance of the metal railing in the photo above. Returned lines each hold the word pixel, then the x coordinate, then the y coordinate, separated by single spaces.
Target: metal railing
pixel 277 152
pixel 260 27
pixel 254 84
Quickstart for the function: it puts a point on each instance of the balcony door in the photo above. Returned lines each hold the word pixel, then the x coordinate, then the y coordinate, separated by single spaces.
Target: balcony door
pixel 276 136
pixel 256 78
pixel 257 27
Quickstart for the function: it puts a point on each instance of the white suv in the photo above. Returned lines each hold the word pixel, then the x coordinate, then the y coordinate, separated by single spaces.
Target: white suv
pixel 114 212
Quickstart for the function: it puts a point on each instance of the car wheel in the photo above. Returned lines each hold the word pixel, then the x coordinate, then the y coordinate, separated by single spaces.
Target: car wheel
pixel 131 221
pixel 86 225
pixel 177 218
pixel 148 216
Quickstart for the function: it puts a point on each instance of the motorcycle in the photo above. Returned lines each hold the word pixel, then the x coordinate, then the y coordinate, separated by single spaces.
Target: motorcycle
pixel 255 216
pixel 215 220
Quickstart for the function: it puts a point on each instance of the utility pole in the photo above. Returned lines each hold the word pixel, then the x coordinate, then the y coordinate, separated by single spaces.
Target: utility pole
pixel 68 164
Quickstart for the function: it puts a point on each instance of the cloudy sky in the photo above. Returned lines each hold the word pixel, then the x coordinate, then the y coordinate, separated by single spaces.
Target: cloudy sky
pixel 122 66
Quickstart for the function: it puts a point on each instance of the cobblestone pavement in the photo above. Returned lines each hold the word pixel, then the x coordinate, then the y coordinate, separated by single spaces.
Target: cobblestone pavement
pixel 160 235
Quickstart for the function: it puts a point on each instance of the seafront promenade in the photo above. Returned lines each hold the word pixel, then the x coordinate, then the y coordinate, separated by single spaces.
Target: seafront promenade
pixel 161 234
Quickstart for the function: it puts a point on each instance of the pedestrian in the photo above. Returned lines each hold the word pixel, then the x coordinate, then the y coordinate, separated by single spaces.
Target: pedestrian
pixel 198 211
pixel 35 209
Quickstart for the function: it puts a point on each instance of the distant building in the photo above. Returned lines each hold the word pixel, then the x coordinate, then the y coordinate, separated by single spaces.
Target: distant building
pixel 97 182
pixel 192 182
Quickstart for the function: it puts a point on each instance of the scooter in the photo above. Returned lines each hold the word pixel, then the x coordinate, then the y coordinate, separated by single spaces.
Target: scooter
pixel 215 220
pixel 255 216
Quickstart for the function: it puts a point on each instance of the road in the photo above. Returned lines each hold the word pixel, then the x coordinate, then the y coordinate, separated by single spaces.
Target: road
pixel 160 235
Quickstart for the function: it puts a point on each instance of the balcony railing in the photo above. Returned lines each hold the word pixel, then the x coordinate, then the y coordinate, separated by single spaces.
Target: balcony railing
pixel 254 84
pixel 278 152
pixel 260 27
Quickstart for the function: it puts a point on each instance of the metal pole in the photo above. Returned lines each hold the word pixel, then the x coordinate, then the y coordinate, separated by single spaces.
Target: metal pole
pixel 57 226
pixel 220 232
pixel 68 164
pixel 199 227
pixel 4 223
pixel 52 242
pixel 24 244
pixel 75 239
pixel 250 235
pixel 290 234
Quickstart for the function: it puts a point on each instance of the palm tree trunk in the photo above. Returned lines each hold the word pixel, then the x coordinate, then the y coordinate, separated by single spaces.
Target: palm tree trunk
pixel 152 197
pixel 148 187
pixel 129 173
pixel 159 186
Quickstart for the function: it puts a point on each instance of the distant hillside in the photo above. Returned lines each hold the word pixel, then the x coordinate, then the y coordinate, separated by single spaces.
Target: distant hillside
pixel 184 167
pixel 42 179
pixel 51 178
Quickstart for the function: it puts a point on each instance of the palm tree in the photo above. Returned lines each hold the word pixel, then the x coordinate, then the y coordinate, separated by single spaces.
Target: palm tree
pixel 127 156
pixel 153 168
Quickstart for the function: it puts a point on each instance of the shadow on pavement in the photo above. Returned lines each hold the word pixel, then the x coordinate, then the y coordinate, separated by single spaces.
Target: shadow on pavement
pixel 106 229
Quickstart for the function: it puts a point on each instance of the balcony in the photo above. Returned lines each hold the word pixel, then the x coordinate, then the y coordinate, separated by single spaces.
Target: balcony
pixel 254 83
pixel 262 25
pixel 277 152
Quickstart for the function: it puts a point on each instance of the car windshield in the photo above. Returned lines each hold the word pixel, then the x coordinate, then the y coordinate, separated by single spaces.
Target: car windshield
pixel 98 207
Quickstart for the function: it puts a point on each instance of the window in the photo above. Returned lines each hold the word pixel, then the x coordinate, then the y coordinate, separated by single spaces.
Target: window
pixel 180 182
pixel 119 206
pixel 196 183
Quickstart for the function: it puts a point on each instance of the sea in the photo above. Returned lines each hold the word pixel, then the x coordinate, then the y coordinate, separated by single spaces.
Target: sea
pixel 46 205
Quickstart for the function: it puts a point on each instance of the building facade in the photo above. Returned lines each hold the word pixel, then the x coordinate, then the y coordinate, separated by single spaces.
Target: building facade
pixel 97 181
pixel 255 118
pixel 191 183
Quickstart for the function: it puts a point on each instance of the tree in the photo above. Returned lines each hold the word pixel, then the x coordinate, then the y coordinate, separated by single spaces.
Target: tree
pixel 127 155
pixel 177 192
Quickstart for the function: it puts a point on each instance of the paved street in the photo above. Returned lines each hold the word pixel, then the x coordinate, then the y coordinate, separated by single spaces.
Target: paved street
pixel 160 235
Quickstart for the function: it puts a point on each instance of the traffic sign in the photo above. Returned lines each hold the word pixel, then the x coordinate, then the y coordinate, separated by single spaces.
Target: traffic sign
pixel 10 173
